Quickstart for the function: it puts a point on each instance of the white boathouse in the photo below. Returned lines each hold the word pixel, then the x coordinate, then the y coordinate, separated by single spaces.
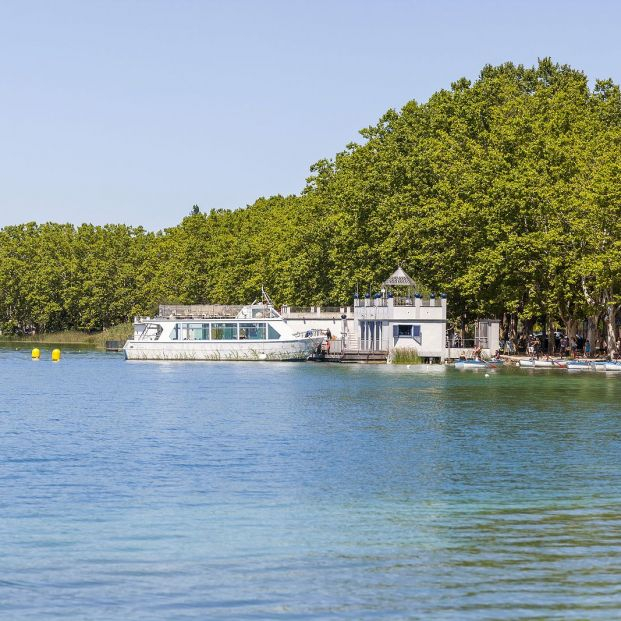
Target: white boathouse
pixel 398 316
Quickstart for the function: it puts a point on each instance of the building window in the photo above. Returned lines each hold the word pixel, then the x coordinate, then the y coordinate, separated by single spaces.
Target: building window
pixel 404 330
pixel 408 330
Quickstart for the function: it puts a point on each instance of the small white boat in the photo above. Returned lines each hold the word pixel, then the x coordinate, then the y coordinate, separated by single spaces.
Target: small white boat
pixel 542 363
pixel 580 365
pixel 495 362
pixel 613 365
pixel 526 364
pixel 599 365
pixel 471 364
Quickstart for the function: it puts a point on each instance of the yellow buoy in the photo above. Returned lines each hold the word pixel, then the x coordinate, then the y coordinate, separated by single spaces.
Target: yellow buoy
pixel 56 355
pixel 36 353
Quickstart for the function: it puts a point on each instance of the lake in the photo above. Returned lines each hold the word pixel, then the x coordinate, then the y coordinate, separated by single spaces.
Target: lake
pixel 144 490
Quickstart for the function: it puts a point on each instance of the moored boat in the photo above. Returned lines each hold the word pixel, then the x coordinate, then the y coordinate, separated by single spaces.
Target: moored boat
pixel 543 363
pixel 256 332
pixel 472 363
pixel 580 365
pixel 599 365
pixel 495 362
pixel 527 363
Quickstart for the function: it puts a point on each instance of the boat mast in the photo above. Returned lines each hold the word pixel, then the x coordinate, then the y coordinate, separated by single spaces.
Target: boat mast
pixel 266 298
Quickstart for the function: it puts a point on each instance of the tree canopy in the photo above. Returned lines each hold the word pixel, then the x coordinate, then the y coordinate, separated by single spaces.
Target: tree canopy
pixel 504 193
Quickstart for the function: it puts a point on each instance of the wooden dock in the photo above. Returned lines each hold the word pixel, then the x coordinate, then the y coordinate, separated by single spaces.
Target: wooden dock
pixel 352 356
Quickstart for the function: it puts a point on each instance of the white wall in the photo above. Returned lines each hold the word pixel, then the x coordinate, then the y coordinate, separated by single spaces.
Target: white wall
pixel 432 340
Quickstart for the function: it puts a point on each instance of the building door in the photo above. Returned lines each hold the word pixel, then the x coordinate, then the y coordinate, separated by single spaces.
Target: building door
pixel 371 335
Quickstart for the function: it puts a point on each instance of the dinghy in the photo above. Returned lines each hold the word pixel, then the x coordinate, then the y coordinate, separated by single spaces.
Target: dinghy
pixel 471 364
pixel 542 364
pixel 579 365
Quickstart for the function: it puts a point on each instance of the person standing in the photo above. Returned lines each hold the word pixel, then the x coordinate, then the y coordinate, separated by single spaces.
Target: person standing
pixel 574 346
pixel 587 349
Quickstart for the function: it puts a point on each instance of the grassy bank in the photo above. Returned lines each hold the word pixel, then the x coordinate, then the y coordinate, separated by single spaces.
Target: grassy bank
pixel 75 337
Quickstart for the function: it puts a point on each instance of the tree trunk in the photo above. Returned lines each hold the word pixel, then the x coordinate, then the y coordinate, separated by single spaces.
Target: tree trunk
pixel 592 330
pixel 504 326
pixel 611 329
pixel 571 327
pixel 513 330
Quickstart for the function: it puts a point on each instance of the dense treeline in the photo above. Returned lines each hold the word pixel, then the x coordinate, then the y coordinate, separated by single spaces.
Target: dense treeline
pixel 504 193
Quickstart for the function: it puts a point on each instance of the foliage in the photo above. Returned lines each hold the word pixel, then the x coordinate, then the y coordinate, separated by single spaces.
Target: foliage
pixel 120 332
pixel 504 193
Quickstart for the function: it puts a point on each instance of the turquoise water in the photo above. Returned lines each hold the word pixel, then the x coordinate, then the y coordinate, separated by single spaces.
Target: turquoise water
pixel 306 491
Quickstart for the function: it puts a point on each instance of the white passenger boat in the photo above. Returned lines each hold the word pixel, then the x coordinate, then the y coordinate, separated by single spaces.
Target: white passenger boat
pixel 256 332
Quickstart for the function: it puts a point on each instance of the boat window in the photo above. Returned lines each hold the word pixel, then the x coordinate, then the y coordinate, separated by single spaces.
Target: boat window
pixel 174 333
pixel 152 332
pixel 272 333
pixel 254 331
pixel 224 331
pixel 195 331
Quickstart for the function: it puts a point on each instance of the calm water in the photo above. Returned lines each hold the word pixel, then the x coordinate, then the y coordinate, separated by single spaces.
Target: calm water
pixel 306 491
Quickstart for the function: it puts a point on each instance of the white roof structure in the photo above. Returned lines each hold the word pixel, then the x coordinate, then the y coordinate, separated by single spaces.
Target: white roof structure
pixel 399 279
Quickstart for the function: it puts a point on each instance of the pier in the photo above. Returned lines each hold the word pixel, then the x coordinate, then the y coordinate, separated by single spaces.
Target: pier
pixel 339 352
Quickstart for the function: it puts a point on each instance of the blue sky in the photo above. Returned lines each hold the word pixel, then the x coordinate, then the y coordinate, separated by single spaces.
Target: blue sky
pixel 133 111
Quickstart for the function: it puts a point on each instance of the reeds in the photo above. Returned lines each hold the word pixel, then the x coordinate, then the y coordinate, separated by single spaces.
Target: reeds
pixel 75 337
pixel 405 355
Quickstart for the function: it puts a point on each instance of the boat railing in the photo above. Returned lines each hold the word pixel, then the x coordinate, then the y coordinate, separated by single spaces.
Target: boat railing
pixel 198 311
pixel 336 346
pixel 315 311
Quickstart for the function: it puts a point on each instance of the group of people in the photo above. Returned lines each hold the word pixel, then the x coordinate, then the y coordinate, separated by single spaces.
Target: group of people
pixel 565 346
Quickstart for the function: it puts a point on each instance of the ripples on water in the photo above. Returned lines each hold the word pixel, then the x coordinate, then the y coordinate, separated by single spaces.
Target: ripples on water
pixel 292 491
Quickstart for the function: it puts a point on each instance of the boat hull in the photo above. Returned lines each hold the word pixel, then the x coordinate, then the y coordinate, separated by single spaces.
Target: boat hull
pixel 579 365
pixel 294 349
pixel 495 362
pixel 542 364
pixel 613 366
pixel 470 364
